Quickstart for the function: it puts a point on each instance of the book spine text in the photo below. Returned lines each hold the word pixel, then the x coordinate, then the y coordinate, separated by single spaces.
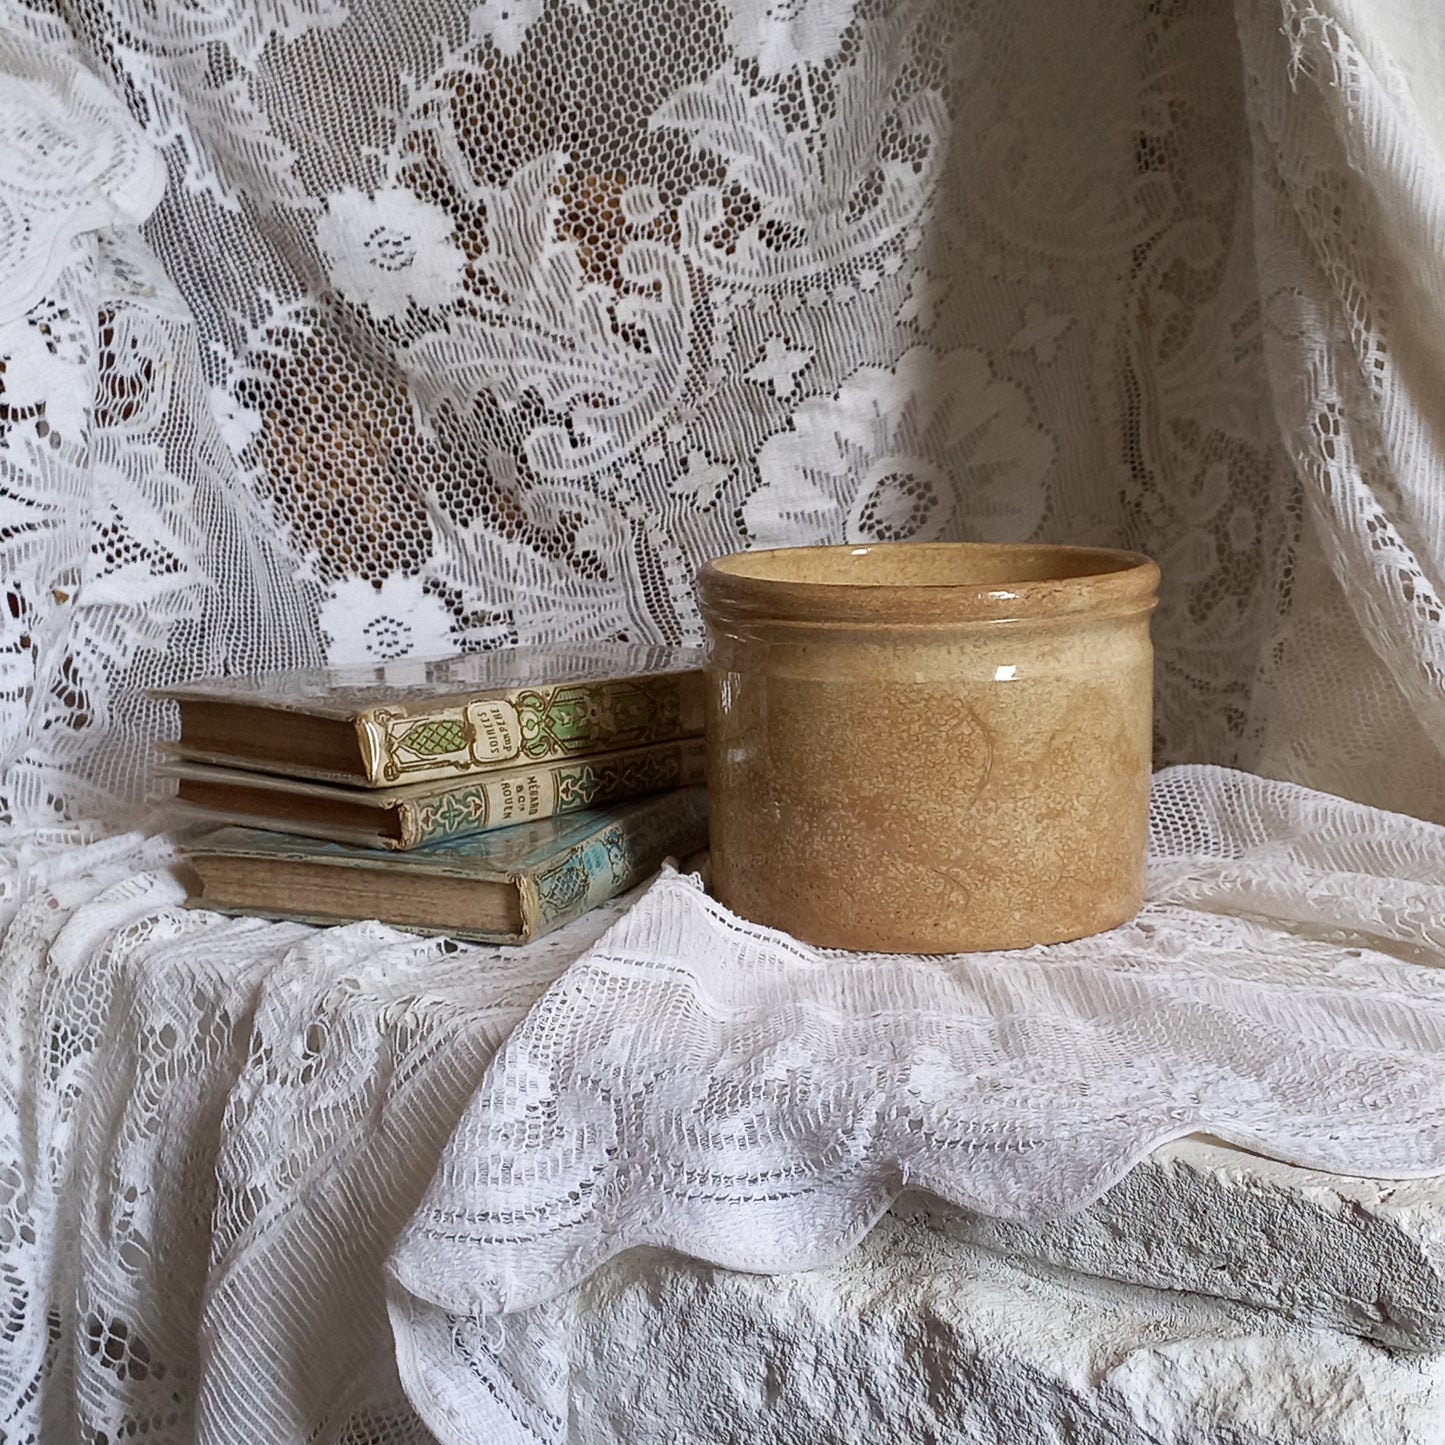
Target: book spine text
pixel 529 725
pixel 554 788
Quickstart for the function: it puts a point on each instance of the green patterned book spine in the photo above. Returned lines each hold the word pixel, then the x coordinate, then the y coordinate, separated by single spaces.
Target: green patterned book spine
pixel 614 860
pixel 530 725
pixel 567 786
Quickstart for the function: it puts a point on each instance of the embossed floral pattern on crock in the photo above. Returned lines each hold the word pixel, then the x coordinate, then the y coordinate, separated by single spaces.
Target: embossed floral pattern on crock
pixel 389 250
pixel 936 446
pixel 364 623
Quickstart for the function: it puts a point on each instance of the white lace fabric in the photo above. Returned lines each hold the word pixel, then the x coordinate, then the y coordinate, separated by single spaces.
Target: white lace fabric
pixel 705 1085
pixel 76 162
pixel 490 325
pixel 214 1131
pixel 224 1130
pixel 486 323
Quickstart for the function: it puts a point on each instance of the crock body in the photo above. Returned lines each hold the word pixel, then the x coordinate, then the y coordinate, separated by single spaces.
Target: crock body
pixel 930 766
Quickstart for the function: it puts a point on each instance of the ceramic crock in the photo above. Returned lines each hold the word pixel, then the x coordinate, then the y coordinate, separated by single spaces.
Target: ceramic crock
pixel 930 747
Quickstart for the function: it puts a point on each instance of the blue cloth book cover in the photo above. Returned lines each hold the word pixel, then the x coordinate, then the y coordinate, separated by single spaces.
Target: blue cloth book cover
pixel 507 886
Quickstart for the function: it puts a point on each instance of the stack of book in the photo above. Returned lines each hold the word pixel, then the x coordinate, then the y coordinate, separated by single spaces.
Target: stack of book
pixel 493 796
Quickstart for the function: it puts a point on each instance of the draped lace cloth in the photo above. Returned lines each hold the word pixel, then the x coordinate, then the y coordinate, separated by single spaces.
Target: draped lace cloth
pixel 1271 993
pixel 246 1152
pixel 331 329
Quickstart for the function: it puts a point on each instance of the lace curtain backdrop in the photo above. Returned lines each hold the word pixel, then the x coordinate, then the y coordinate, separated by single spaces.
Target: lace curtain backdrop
pixel 466 327
pixel 334 330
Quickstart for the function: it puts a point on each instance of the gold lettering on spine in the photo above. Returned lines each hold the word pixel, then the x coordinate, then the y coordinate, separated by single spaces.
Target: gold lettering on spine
pixel 520 798
pixel 496 733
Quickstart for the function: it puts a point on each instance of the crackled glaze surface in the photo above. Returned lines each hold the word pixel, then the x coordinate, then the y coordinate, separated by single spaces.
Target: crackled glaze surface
pixel 930 747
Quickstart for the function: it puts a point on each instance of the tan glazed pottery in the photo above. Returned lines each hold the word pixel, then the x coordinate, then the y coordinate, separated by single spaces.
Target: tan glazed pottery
pixel 930 747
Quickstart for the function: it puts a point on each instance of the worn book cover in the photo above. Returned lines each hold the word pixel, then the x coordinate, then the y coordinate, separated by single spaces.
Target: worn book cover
pixel 413 719
pixel 423 813
pixel 508 886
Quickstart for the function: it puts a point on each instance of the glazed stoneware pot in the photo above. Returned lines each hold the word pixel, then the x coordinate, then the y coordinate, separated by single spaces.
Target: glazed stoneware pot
pixel 930 747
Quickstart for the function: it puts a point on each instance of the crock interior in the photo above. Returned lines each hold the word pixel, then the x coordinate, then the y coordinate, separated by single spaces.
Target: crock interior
pixel 925 564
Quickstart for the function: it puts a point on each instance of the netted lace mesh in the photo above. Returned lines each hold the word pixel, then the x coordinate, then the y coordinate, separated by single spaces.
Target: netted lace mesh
pixel 463 327
pixel 343 330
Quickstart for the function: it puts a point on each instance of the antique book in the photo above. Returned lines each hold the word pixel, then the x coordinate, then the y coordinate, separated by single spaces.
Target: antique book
pixel 423 813
pixel 411 720
pixel 507 886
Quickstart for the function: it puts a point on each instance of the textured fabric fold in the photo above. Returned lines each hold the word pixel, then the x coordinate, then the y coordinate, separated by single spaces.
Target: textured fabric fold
pixel 75 161
pixel 701 1084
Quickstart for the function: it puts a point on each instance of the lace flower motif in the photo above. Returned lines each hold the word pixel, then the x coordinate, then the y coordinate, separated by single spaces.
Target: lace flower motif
pixel 504 22
pixel 896 455
pixel 37 371
pixel 239 425
pixel 782 35
pixel 389 250
pixel 364 623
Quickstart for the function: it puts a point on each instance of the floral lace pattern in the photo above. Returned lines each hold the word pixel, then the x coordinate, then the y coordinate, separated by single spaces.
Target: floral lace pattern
pixel 493 332
pixel 1269 993
pixel 201 1113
